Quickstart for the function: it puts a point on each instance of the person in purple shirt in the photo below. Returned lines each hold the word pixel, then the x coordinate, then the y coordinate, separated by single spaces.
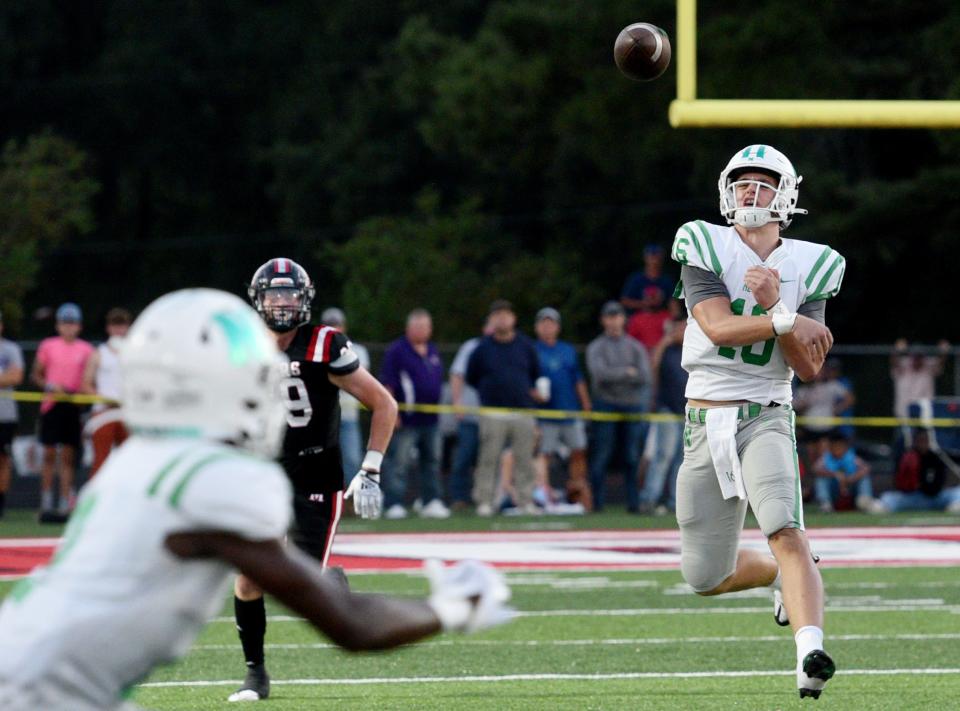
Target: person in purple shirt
pixel 413 372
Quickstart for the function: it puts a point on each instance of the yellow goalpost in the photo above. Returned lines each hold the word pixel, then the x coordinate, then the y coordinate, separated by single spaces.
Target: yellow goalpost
pixel 687 111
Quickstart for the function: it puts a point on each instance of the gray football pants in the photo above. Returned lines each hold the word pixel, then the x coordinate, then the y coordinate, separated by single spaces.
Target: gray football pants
pixel 709 524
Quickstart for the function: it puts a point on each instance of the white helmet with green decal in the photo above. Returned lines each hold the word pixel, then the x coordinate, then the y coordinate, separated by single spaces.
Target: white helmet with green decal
pixel 200 362
pixel 761 159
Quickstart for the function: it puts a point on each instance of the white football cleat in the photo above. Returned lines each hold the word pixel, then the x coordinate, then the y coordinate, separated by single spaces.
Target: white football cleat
pixel 779 611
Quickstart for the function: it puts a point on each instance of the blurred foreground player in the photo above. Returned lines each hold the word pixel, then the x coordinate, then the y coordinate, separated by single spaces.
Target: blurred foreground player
pixel 757 312
pixel 321 363
pixel 191 495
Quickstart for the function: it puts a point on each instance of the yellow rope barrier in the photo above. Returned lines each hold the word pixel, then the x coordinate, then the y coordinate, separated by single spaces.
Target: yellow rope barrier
pixel 27 396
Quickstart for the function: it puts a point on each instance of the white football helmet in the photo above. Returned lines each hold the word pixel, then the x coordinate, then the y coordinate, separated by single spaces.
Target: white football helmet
pixel 763 159
pixel 201 362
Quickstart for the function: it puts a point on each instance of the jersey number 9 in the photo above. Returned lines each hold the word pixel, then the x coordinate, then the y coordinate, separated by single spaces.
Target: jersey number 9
pixel 297 401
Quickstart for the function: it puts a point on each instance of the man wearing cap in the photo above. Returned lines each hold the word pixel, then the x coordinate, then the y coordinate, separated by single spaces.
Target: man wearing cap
pixel 11 375
pixel 351 439
pixel 620 373
pixel 504 368
pixel 58 369
pixel 568 391
pixel 635 293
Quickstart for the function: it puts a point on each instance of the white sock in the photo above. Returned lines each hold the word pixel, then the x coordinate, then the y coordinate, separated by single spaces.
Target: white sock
pixel 777 583
pixel 808 639
pixel 46 500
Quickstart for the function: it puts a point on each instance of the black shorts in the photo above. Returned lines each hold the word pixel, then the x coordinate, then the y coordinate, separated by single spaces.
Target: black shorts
pixel 315 519
pixel 61 425
pixel 7 432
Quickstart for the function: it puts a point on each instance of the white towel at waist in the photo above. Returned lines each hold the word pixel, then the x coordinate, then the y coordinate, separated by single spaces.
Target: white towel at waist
pixel 721 424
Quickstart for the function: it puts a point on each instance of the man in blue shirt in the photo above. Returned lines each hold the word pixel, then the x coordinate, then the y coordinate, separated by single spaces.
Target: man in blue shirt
pixel 413 372
pixel 652 274
pixel 841 473
pixel 568 391
pixel 504 368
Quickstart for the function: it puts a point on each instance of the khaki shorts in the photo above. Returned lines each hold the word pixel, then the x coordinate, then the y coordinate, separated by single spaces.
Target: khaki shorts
pixel 709 524
pixel 553 434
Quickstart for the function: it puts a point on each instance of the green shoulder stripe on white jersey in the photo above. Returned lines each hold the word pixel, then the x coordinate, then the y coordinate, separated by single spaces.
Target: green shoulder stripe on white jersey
pixel 717 269
pixel 178 490
pixel 816 266
pixel 695 242
pixel 829 287
pixel 165 471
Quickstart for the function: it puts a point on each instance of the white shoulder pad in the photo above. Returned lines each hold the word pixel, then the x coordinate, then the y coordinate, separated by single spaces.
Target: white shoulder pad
pixel 699 244
pixel 821 270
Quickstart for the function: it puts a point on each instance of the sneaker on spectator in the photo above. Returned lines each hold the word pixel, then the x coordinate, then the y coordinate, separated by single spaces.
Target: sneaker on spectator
pixel 661 510
pixel 417 506
pixel 826 507
pixel 485 510
pixel 434 509
pixel 870 505
pixel 954 507
pixel 395 512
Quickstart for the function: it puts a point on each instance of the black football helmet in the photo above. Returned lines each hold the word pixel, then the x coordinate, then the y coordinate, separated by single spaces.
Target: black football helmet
pixel 281 291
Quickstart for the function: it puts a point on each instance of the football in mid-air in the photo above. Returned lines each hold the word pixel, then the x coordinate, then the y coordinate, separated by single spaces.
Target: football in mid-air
pixel 642 51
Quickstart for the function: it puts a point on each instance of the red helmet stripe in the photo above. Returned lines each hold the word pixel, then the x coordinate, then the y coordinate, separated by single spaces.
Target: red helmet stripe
pixel 283 266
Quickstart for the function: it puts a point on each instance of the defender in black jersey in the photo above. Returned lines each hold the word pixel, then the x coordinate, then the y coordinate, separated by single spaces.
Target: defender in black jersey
pixel 321 363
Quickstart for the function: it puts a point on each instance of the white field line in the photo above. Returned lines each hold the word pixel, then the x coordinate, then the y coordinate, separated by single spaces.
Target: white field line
pixel 638 612
pixel 543 677
pixel 608 642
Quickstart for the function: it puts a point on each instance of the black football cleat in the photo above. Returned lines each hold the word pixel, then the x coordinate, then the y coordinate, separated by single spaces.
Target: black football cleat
pixel 815 671
pixel 256 687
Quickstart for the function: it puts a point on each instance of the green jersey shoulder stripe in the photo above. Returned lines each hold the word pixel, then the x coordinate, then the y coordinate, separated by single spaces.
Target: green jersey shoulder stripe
pixel 826 277
pixel 696 243
pixel 178 490
pixel 165 471
pixel 717 269
pixel 816 266
pixel 826 294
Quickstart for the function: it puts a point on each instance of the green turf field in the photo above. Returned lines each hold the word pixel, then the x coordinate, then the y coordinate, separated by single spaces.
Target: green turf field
pixel 610 640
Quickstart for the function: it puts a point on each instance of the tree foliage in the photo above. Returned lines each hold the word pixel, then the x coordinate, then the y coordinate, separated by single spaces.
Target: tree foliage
pixel 400 149
pixel 46 198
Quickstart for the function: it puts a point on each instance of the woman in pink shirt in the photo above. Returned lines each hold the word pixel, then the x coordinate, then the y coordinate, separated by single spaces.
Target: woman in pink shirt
pixel 58 368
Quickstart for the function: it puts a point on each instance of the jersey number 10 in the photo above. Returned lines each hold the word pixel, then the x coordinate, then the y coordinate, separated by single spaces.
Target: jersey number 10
pixel 746 353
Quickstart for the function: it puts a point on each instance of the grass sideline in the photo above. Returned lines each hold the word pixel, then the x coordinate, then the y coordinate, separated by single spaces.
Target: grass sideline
pixel 637 640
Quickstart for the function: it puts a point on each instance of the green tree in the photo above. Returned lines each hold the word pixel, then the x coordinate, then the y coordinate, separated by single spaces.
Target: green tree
pixel 453 263
pixel 47 198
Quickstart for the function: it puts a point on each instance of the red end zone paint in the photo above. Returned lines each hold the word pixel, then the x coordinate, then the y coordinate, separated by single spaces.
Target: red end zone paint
pixel 580 550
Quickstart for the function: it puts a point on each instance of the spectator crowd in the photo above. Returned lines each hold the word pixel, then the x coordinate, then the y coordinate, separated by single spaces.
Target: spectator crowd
pixel 560 432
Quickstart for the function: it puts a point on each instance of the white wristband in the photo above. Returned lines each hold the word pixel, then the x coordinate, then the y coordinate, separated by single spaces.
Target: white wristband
pixel 372 461
pixel 783 320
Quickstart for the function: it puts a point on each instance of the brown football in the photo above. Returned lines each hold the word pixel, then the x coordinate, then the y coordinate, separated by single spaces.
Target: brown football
pixel 642 51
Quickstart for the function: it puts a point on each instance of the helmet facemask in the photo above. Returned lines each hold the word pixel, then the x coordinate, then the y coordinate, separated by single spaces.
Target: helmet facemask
pixel 282 293
pixel 757 210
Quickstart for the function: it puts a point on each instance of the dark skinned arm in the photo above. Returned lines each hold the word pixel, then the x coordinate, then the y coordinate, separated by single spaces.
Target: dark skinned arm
pixel 354 621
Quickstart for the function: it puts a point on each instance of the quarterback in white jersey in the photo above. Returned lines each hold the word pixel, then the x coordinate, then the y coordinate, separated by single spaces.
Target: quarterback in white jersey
pixel 150 549
pixel 757 316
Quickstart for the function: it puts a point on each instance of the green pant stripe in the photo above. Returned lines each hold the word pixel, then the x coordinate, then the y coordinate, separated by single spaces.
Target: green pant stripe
pixel 816 266
pixel 718 270
pixel 798 508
